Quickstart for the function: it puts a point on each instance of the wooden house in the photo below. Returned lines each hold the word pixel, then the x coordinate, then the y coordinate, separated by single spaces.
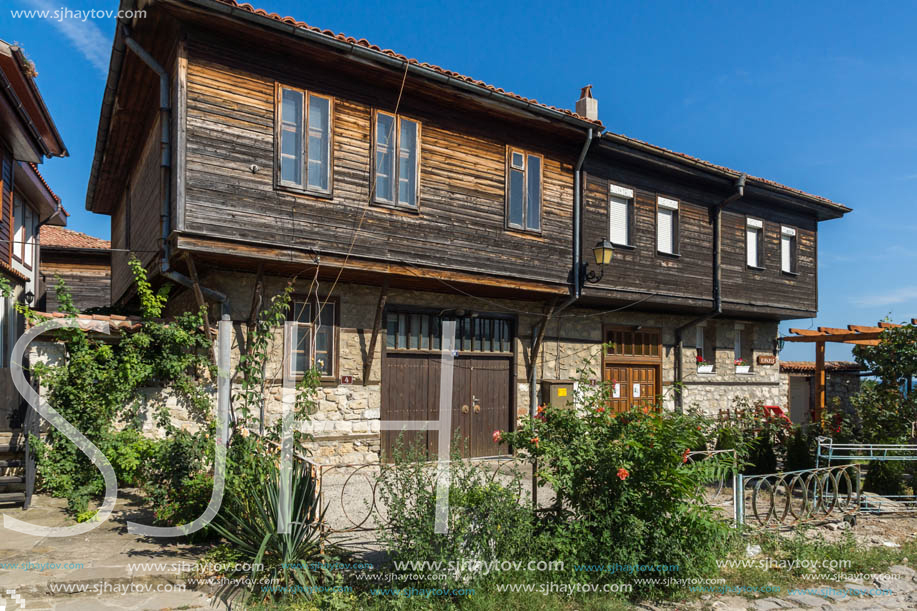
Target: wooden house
pixel 27 137
pixel 82 261
pixel 238 149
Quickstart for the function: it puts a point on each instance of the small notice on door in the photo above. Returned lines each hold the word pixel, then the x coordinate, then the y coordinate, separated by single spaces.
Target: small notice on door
pixel 616 392
pixel 636 391
pixel 561 392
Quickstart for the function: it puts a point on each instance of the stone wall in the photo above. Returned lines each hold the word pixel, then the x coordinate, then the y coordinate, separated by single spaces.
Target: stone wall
pixel 347 421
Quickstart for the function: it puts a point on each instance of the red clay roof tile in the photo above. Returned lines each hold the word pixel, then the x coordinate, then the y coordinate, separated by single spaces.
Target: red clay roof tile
pixel 60 237
pixel 366 44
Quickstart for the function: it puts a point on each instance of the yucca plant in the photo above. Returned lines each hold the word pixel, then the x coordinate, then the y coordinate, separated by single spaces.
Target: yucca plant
pixel 281 563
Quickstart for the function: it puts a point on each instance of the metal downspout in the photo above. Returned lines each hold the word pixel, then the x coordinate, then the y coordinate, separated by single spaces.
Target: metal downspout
pixel 165 143
pixel 576 274
pixel 717 289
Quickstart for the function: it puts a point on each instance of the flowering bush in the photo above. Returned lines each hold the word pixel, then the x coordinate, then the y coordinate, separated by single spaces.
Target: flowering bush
pixel 700 360
pixel 624 493
pixel 740 363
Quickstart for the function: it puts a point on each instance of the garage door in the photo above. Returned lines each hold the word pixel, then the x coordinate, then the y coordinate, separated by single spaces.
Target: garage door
pixel 481 392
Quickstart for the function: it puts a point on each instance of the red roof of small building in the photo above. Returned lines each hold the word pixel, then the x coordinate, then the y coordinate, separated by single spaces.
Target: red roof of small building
pixel 808 367
pixel 59 237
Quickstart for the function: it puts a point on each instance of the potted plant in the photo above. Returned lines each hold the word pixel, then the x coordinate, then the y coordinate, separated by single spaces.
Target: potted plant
pixel 742 366
pixel 703 366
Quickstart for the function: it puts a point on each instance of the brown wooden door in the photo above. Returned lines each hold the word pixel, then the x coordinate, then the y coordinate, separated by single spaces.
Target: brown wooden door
pixel 631 385
pixel 618 378
pixel 481 401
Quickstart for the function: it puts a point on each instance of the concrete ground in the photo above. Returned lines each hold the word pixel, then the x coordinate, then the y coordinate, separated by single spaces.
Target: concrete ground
pixel 106 568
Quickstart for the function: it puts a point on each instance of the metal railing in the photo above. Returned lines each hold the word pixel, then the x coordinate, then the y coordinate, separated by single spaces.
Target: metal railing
pixel 715 492
pixel 828 450
pixel 794 497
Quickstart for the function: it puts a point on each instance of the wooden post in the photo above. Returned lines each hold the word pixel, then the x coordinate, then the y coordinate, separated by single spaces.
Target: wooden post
pixel 819 380
pixel 377 324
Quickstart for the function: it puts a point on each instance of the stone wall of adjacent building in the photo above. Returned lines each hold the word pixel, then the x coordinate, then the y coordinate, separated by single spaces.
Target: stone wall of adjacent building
pixel 347 419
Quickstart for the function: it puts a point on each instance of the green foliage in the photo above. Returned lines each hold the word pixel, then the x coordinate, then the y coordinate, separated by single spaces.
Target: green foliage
pixel 6 289
pixel 885 478
pixel 488 520
pixel 282 562
pixel 894 359
pixel 99 385
pixel 799 454
pixel 624 493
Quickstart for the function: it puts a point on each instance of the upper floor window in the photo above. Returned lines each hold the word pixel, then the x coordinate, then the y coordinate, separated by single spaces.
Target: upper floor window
pixel 523 190
pixel 304 140
pixel 397 157
pixel 23 232
pixel 666 225
pixel 313 342
pixel 620 215
pixel 754 243
pixel 788 252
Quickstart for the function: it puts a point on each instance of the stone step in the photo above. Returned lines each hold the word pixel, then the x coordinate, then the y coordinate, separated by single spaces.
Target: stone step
pixel 10 480
pixel 12 497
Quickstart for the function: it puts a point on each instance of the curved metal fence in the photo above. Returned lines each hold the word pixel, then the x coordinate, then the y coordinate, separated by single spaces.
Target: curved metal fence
pixel 785 499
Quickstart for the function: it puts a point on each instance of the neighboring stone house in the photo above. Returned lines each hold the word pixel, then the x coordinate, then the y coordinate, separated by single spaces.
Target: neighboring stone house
pixel 405 195
pixel 82 261
pixel 797 386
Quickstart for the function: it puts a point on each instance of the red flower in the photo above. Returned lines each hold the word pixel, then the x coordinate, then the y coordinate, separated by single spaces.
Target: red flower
pixel 599 410
pixel 535 440
pixel 684 455
pixel 498 436
pixel 622 474
pixel 700 359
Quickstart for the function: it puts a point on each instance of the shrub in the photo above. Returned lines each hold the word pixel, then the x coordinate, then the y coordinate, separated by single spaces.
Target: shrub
pixel 281 561
pixel 799 451
pixel 487 519
pixel 885 478
pixel 624 492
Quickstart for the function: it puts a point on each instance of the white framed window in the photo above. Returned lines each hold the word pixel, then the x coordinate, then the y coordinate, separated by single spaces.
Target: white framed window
pixel 737 351
pixel 788 252
pixel 666 225
pixel 754 243
pixel 18 227
pixel 28 244
pixel 313 342
pixel 397 159
pixel 523 190
pixel 620 215
pixel 303 146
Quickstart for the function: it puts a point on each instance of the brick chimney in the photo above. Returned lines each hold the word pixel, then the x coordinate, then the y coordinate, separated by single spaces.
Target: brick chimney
pixel 587 106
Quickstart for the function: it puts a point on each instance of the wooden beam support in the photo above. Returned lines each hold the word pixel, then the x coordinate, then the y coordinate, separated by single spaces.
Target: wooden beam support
pixel 888 325
pixel 862 329
pixel 840 339
pixel 810 332
pixel 833 331
pixel 199 297
pixel 820 380
pixel 377 324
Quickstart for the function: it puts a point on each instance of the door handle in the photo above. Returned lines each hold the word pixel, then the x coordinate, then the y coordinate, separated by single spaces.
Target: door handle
pixel 477 409
pixel 464 409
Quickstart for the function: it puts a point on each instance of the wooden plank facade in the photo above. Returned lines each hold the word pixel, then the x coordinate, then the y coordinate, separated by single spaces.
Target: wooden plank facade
pixel 455 247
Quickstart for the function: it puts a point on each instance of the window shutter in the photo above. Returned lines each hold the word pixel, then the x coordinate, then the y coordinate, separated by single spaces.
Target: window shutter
pixel 619 217
pixel 751 246
pixel 787 240
pixel 665 231
pixel 533 194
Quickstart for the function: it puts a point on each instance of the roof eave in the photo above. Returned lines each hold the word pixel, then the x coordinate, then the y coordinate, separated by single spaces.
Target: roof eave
pixel 826 209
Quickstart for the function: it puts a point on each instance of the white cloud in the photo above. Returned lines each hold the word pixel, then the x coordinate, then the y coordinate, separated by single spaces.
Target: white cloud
pixel 899 295
pixel 84 35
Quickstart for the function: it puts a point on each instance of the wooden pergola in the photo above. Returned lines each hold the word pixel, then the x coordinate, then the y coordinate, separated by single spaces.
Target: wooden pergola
pixel 858 335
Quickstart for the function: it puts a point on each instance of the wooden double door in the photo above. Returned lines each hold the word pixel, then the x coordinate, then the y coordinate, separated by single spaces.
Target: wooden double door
pixel 632 385
pixel 481 401
pixel 632 367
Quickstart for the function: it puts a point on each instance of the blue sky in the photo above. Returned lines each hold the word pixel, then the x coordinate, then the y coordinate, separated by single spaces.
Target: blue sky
pixel 819 96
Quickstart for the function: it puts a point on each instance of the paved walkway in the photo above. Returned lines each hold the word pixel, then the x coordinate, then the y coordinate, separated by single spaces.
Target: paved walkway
pixel 114 569
pixel 894 589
